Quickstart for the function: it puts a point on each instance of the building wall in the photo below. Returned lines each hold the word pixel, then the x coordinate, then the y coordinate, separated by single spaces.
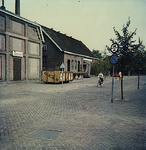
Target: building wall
pixel 52 56
pixel 16 27
pixel 76 63
pixel 33 68
pixel 2 23
pixel 2 67
pixel 19 39
pixel 2 48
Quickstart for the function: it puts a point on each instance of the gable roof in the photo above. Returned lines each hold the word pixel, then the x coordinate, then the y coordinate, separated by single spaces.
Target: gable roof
pixel 68 44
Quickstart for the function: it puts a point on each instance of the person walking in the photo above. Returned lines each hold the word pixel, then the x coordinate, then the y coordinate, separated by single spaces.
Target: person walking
pixel 101 79
pixel 120 75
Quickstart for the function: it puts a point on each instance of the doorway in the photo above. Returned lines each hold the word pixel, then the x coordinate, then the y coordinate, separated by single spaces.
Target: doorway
pixel 78 66
pixel 17 69
pixel 68 65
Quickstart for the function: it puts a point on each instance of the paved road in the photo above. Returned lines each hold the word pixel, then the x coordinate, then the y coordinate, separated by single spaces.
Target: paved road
pixel 78 116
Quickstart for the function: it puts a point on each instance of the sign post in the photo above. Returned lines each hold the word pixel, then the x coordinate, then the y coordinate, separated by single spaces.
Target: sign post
pixel 62 67
pixel 112 84
pixel 113 60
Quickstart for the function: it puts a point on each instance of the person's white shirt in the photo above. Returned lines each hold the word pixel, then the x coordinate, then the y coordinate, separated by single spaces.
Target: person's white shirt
pixel 100 75
pixel 120 74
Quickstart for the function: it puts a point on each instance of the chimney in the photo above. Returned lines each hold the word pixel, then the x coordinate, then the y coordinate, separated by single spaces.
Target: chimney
pixel 17 7
pixel 3 7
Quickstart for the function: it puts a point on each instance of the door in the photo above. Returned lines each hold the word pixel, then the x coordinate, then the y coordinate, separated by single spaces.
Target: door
pixel 78 66
pixel 68 65
pixel 17 69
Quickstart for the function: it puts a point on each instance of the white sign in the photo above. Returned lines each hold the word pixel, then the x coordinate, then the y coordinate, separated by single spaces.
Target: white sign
pixel 62 66
pixel 18 54
pixel 114 47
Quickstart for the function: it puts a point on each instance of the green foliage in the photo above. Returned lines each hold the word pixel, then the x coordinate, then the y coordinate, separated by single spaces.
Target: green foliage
pixel 139 59
pixel 101 65
pixel 130 54
pixel 97 54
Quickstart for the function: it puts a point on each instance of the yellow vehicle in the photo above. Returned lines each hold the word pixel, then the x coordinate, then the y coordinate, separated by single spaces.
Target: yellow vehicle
pixel 56 76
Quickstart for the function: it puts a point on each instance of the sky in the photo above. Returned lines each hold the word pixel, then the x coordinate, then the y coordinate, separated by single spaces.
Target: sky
pixel 89 21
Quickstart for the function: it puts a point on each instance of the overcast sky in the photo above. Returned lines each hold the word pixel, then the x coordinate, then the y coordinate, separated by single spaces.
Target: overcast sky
pixel 90 21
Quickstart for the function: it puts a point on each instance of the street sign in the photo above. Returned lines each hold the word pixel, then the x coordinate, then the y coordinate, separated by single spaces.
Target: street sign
pixel 114 47
pixel 62 66
pixel 113 59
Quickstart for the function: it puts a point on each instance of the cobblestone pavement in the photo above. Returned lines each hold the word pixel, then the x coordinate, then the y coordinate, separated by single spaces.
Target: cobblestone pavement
pixel 81 112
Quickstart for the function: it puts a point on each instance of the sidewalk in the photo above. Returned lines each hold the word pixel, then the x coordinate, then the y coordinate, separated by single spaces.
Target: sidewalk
pixel 75 116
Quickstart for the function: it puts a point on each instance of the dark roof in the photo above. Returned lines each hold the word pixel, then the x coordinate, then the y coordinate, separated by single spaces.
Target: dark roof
pixel 67 43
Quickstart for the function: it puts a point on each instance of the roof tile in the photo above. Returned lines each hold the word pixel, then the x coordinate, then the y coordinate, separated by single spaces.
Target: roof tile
pixel 67 43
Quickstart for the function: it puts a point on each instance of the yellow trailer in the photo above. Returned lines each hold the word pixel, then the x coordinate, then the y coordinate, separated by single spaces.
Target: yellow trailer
pixel 56 76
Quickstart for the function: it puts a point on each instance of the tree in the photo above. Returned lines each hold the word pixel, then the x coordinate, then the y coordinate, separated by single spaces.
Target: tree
pixel 106 67
pixel 127 51
pixel 97 54
pixel 139 62
pixel 102 64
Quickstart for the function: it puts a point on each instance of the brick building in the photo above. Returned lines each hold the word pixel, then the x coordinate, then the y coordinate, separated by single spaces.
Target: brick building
pixel 60 48
pixel 21 53
pixel 20 46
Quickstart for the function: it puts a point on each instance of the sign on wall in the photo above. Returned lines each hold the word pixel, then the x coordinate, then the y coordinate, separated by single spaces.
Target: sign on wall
pixel 17 54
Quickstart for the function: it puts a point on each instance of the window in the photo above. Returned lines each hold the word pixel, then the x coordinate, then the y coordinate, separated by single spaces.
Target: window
pixel 75 65
pixel 79 66
pixel 45 47
pixel 68 65
pixel 72 64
